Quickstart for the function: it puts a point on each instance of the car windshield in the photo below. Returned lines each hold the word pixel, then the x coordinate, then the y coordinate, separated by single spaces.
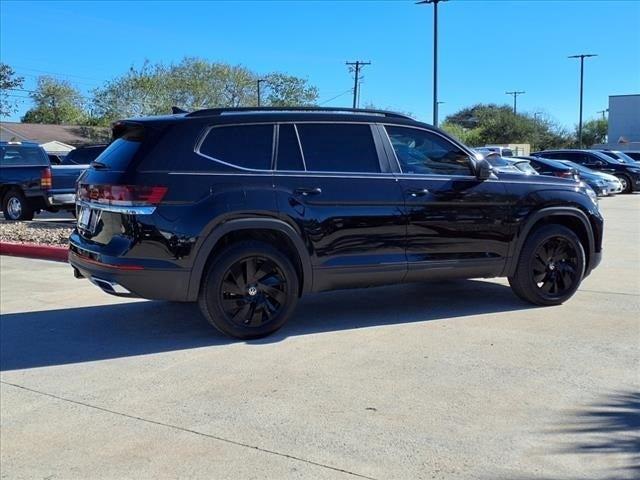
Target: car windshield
pixel 497 161
pixel 624 157
pixel 577 166
pixel 608 157
pixel 525 166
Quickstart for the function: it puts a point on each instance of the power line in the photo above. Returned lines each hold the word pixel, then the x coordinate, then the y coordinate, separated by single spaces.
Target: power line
pixel 356 66
pixel 337 96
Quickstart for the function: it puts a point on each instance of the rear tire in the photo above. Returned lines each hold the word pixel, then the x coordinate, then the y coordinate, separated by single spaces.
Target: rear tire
pixel 249 290
pixel 15 206
pixel 551 266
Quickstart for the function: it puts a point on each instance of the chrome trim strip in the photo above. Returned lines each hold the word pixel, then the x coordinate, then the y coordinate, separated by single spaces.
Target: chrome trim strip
pixel 128 210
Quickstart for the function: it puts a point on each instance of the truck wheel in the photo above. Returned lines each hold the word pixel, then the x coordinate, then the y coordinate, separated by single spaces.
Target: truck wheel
pixel 16 207
pixel 249 290
pixel 550 267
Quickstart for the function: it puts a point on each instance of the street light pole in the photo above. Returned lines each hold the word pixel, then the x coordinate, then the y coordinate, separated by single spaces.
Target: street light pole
pixel 515 102
pixel 435 56
pixel 581 56
pixel 259 81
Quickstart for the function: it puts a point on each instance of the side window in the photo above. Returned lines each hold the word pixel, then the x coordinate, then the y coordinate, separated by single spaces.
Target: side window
pixel 246 146
pixel 338 147
pixel 289 155
pixel 507 152
pixel 420 151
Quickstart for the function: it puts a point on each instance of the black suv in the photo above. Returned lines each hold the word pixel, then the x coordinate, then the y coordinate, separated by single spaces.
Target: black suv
pixel 245 210
pixel 627 173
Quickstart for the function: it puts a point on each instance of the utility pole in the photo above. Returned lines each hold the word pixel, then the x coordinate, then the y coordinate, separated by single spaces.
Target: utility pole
pixel 581 56
pixel 356 66
pixel 435 56
pixel 603 112
pixel 515 101
pixel 259 81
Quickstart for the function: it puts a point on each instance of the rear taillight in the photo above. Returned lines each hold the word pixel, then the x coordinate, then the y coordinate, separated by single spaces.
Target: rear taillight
pixel 121 195
pixel 45 179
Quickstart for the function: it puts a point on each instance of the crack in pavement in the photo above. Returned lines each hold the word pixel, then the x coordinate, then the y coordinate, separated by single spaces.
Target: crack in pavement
pixel 188 430
pixel 610 293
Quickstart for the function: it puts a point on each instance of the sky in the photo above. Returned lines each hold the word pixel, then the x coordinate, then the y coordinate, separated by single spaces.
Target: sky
pixel 485 47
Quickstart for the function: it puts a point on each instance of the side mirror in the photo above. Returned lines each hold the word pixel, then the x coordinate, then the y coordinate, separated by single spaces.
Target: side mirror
pixel 483 169
pixel 599 163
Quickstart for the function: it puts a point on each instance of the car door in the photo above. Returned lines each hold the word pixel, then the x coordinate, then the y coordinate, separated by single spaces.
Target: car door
pixel 333 183
pixel 457 225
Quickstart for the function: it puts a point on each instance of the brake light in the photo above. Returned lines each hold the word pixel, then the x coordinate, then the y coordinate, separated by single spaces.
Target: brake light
pixel 45 179
pixel 121 195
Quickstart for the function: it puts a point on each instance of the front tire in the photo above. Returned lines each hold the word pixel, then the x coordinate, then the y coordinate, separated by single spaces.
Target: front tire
pixel 249 290
pixel 627 187
pixel 551 266
pixel 15 206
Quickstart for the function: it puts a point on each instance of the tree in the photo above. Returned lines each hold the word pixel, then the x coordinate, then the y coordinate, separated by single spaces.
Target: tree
pixel 484 124
pixel 8 81
pixel 191 84
pixel 289 91
pixel 594 131
pixel 56 101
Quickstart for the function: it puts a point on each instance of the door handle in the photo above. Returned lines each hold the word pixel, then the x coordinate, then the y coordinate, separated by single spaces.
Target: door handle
pixel 418 192
pixel 306 191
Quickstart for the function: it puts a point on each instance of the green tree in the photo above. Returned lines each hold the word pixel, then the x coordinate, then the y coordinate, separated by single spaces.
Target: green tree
pixel 289 91
pixel 594 131
pixel 484 124
pixel 8 81
pixel 56 101
pixel 191 84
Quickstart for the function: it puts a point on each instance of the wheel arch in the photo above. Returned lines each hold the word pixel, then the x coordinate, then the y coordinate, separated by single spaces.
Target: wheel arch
pixel 573 218
pixel 282 235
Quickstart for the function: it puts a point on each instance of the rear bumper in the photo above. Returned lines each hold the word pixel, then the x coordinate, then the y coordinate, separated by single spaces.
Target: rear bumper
pixel 62 199
pixel 129 279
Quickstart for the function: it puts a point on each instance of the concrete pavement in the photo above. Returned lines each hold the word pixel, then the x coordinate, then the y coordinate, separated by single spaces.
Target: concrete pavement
pixel 449 380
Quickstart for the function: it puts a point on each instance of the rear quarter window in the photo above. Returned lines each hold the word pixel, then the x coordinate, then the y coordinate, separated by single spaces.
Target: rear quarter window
pixel 20 155
pixel 244 146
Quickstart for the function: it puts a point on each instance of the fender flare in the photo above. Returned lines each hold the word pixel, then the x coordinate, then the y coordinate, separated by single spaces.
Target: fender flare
pixel 212 238
pixel 545 213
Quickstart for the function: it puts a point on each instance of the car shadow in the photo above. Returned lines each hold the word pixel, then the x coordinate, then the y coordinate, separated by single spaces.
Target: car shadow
pixel 74 335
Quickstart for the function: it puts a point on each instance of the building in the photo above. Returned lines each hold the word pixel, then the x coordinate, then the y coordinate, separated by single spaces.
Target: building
pixel 55 139
pixel 624 122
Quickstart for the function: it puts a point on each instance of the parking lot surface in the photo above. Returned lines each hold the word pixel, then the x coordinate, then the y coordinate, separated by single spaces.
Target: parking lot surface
pixel 448 380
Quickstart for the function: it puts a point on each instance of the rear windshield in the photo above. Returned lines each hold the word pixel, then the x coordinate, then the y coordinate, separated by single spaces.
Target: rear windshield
pixel 23 155
pixel 119 154
pixel 82 156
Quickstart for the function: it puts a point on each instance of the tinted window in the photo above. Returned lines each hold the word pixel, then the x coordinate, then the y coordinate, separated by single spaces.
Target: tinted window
pixel 246 146
pixel 634 155
pixel 22 155
pixel 119 154
pixel 289 156
pixel 82 156
pixel 507 152
pixel 419 151
pixel 338 148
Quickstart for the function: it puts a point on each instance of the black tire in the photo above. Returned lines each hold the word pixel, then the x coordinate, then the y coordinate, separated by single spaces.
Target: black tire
pixel 15 206
pixel 627 186
pixel 551 266
pixel 249 290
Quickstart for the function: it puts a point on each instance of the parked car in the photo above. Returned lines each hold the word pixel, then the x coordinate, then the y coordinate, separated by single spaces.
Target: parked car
pixel 25 180
pixel 502 151
pixel 628 174
pixel 523 165
pixel 266 205
pixel 544 166
pixel 498 163
pixel 602 183
pixel 83 155
pixel 618 155
pixel 635 154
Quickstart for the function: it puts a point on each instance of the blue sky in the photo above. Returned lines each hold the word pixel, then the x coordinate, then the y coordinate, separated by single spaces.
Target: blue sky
pixel 486 47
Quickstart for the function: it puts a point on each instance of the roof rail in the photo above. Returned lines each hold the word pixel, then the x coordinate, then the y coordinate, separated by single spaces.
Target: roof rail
pixel 219 111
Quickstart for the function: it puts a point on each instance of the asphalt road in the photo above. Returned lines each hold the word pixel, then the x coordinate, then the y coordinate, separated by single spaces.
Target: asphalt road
pixel 455 380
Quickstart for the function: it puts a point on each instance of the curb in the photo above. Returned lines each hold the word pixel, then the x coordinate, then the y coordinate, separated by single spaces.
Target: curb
pixel 35 250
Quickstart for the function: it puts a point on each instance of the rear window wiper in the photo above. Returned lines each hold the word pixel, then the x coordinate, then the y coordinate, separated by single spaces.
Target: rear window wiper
pixel 99 165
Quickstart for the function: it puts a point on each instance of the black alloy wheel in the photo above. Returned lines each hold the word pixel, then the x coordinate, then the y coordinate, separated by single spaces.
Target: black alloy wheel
pixel 550 267
pixel 249 290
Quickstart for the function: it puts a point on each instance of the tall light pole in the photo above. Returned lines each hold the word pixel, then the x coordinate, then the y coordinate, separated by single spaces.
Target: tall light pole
pixel 581 56
pixel 435 56
pixel 515 101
